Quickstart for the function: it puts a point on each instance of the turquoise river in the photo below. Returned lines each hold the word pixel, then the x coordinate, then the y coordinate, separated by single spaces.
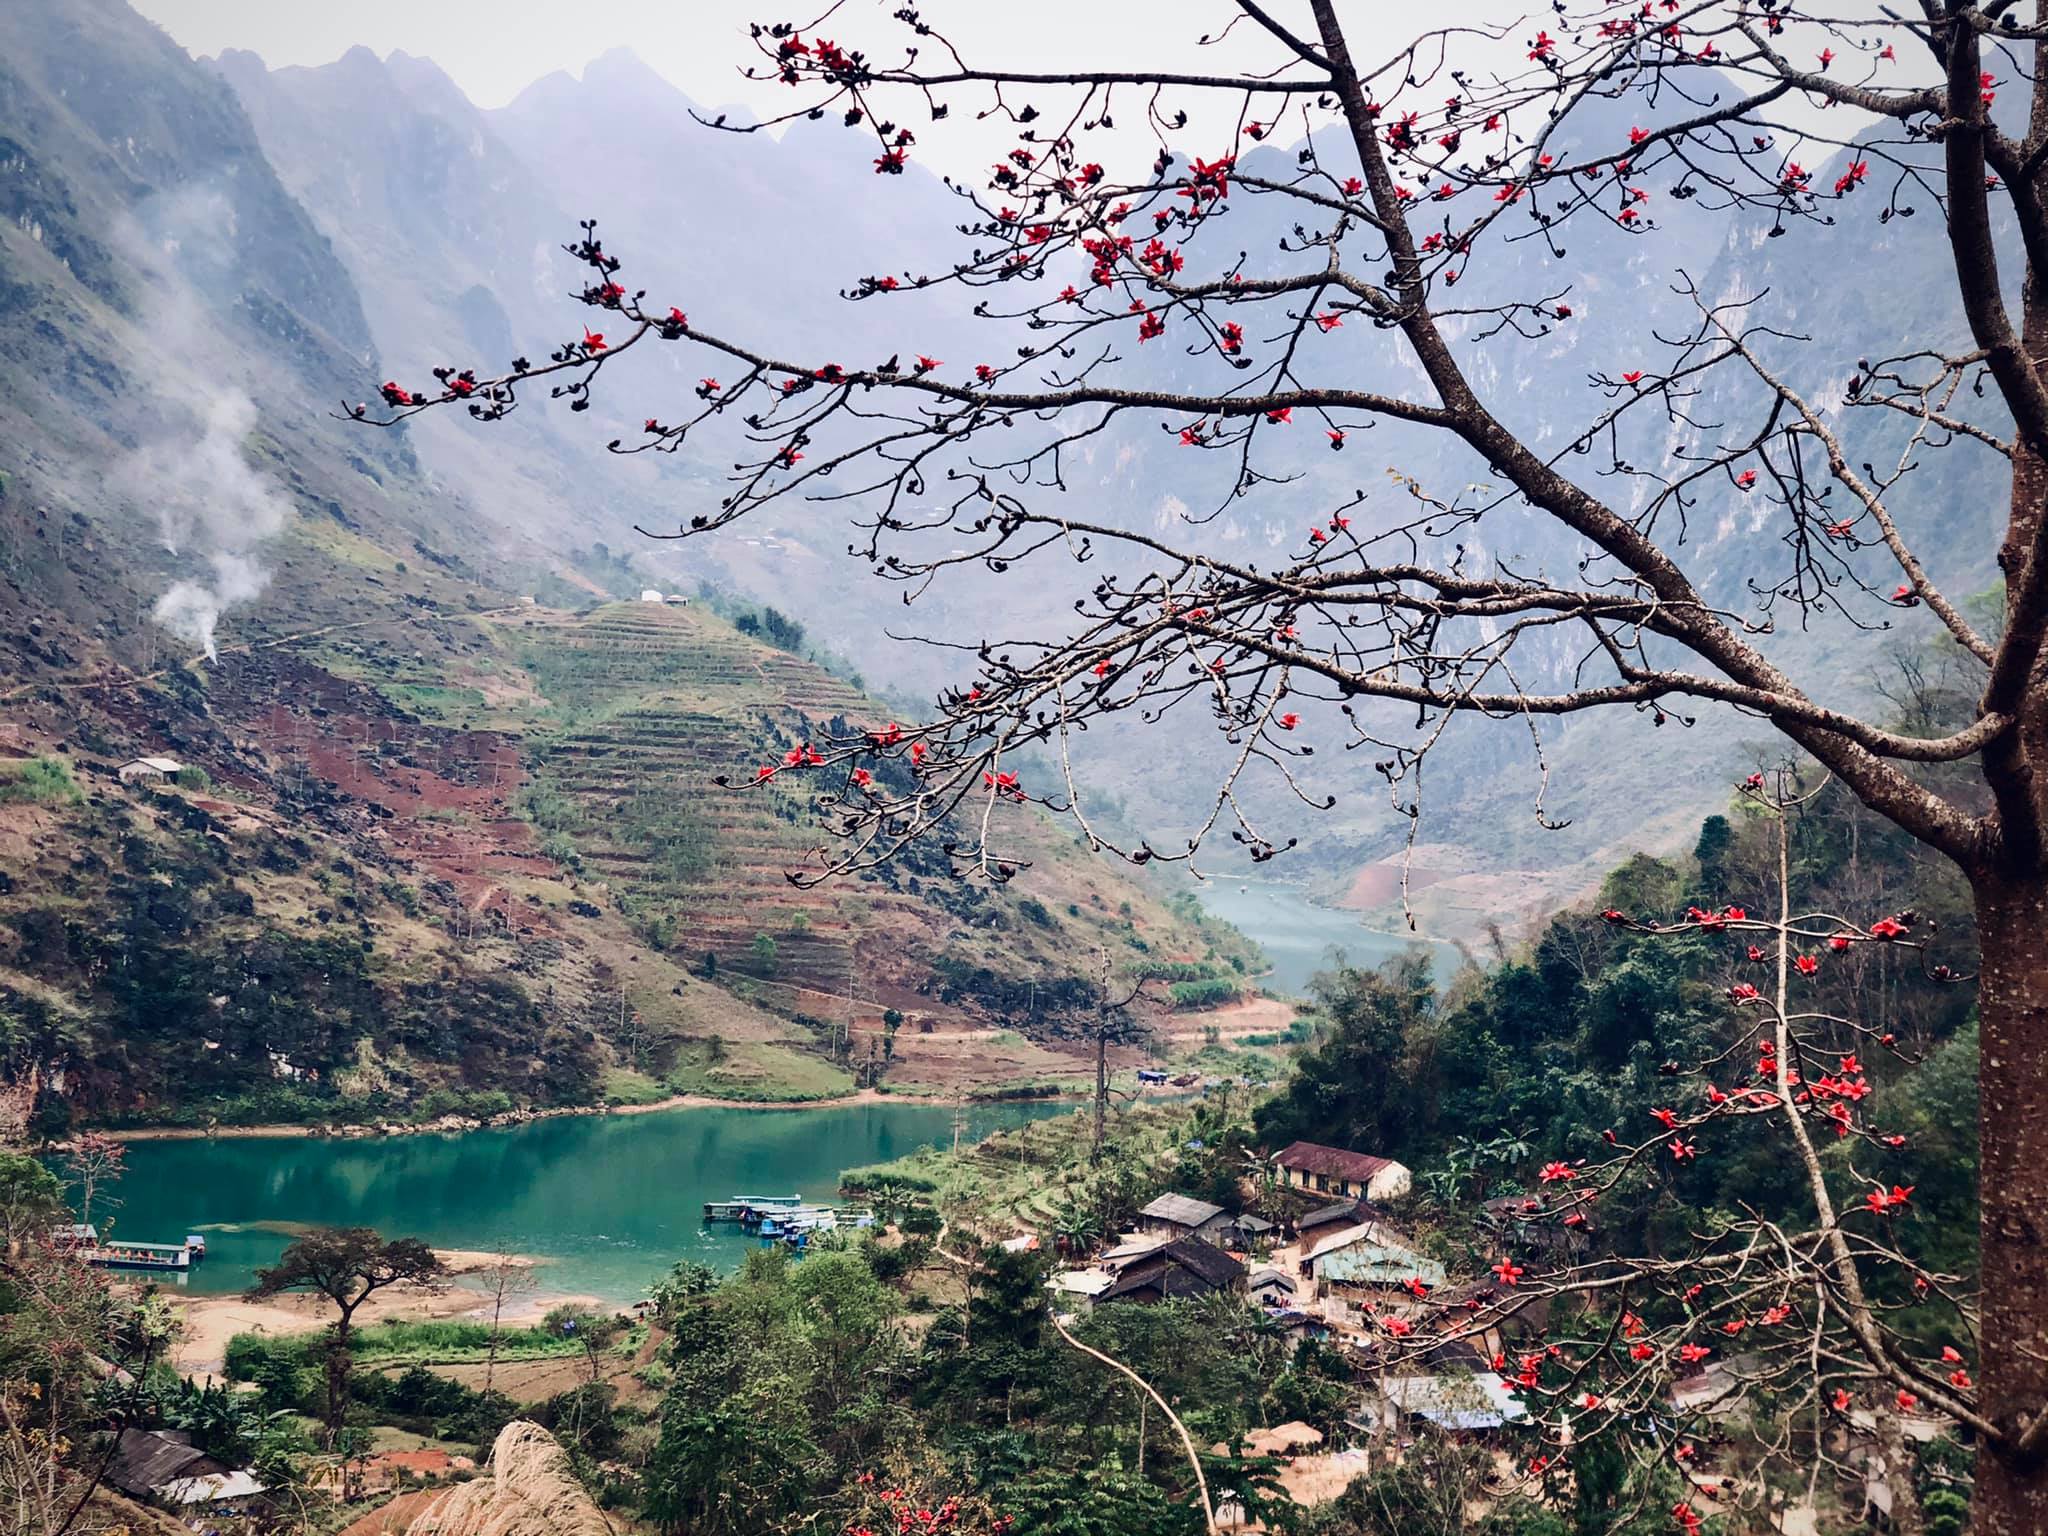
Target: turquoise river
pixel 607 1202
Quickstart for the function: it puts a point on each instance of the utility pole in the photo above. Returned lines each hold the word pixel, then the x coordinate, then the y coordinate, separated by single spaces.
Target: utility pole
pixel 1110 1016
pixel 1101 1057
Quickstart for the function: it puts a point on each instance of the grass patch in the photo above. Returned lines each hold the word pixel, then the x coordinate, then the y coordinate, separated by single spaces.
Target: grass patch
pixel 1225 1061
pixel 757 1070
pixel 446 1341
pixel 625 1086
pixel 451 1341
pixel 38 781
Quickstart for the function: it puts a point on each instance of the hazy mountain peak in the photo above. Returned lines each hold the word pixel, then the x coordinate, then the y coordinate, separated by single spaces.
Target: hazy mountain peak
pixel 428 85
pixel 618 78
pixel 238 63
pixel 619 64
pixel 556 89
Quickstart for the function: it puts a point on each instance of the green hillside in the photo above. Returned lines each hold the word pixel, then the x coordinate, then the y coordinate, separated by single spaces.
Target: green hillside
pixel 478 863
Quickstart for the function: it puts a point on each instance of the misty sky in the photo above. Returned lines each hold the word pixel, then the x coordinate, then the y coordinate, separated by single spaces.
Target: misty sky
pixel 493 51
pixel 700 45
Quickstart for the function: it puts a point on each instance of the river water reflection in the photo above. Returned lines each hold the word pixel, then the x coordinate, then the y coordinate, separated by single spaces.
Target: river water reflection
pixel 1299 936
pixel 610 1201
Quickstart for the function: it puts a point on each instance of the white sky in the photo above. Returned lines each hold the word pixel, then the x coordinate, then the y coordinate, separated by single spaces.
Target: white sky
pixel 493 49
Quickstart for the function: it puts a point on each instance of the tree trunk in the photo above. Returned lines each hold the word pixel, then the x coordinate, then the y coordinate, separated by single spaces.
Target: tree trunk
pixel 337 1378
pixel 2012 1127
pixel 1101 1088
pixel 1908 1518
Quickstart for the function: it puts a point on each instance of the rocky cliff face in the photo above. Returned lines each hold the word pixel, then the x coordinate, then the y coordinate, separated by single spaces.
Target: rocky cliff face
pixel 528 1491
pixel 463 232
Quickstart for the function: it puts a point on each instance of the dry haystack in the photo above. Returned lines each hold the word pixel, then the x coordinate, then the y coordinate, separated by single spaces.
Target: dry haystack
pixel 529 1491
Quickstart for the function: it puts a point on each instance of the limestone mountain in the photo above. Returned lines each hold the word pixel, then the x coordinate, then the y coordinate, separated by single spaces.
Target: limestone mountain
pixel 413 855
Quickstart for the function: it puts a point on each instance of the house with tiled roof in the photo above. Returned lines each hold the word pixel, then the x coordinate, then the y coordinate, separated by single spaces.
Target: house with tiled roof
pixel 1185 1267
pixel 1337 1171
pixel 1172 1216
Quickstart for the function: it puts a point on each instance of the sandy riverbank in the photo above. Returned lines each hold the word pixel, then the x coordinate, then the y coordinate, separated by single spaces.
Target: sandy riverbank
pixel 371 1132
pixel 210 1321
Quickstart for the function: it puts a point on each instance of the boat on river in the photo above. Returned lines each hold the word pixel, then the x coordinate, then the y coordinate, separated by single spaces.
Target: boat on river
pixel 794 1227
pixel 173 1256
pixel 83 1241
pixel 748 1210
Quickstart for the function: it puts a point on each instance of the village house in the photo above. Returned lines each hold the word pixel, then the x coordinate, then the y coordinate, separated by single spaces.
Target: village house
pixel 1080 1287
pixel 1185 1267
pixel 1366 1258
pixel 1321 1222
pixel 1076 1289
pixel 1464 1402
pixel 1337 1171
pixel 1128 1247
pixel 1291 1325
pixel 149 770
pixel 164 1464
pixel 1269 1288
pixel 1174 1216
pixel 1247 1231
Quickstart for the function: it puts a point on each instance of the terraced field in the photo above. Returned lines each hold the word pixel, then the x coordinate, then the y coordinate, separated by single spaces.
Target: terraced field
pixel 649 704
pixel 661 700
pixel 1021 1180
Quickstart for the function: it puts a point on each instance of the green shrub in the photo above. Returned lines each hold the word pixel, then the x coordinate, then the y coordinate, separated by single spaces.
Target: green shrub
pixel 1192 996
pixel 472 1103
pixel 38 781
pixel 1034 909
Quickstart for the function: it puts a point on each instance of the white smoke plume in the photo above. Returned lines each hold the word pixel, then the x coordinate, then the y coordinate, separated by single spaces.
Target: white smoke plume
pixel 191 471
pixel 210 502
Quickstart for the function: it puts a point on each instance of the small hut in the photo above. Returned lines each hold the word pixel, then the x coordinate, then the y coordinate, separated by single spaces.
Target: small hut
pixel 1172 1216
pixel 150 770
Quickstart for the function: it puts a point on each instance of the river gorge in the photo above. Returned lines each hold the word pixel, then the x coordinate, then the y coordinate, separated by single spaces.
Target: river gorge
pixel 604 1203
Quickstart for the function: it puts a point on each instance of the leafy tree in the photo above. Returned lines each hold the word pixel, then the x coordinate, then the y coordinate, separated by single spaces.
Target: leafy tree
pixel 1710 852
pixel 31 1201
pixel 1093 1500
pixel 1316 1388
pixel 92 1161
pixel 1351 1089
pixel 1812 1208
pixel 1554 138
pixel 347 1265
